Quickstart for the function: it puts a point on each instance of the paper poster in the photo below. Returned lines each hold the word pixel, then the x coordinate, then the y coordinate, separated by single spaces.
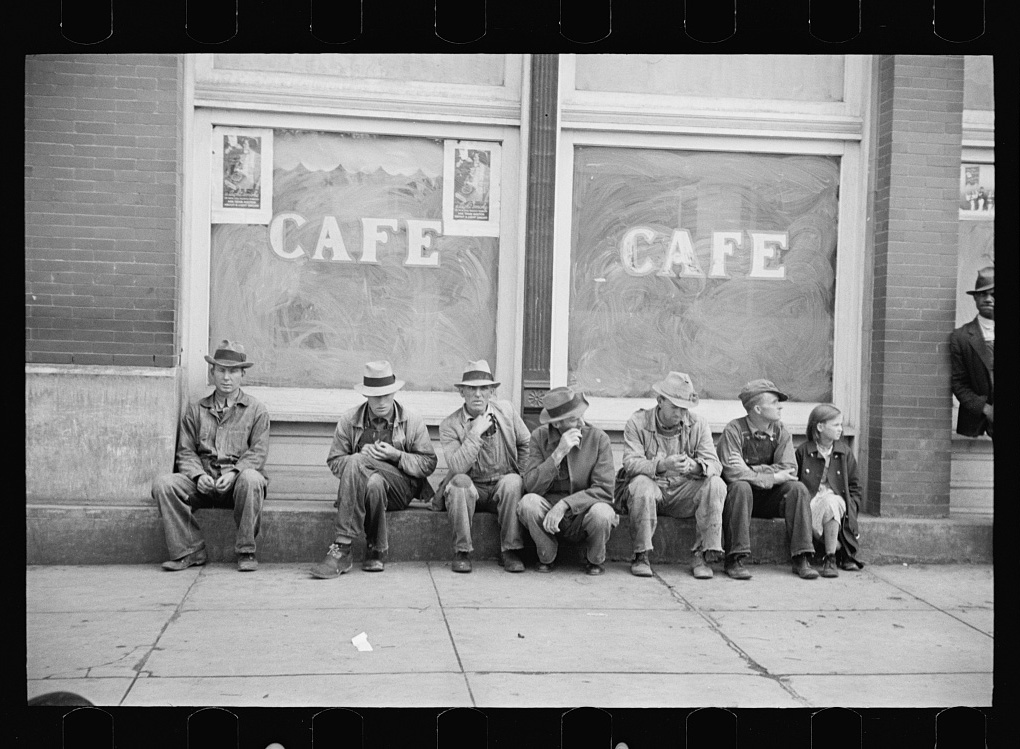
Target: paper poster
pixel 471 178
pixel 242 177
pixel 977 191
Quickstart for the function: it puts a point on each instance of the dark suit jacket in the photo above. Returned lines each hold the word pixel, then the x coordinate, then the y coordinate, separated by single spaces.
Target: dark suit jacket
pixel 972 379
pixel 590 465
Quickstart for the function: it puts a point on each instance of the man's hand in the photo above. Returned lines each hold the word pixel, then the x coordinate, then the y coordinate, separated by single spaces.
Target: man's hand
pixel 206 484
pixel 225 481
pixel 570 439
pixel 551 521
pixel 388 452
pixel 989 411
pixel 781 477
pixel 480 424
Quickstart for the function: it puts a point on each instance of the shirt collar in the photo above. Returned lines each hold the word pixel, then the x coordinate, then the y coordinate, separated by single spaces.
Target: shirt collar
pixel 986 324
pixel 240 398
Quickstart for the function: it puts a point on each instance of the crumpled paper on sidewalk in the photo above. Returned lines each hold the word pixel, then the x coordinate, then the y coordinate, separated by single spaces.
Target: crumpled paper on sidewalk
pixel 361 642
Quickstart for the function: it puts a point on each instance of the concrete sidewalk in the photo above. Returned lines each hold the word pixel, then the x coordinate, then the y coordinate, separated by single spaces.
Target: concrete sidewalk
pixel 887 636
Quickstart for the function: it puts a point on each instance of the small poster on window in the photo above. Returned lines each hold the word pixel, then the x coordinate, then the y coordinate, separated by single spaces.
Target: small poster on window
pixel 977 191
pixel 471 178
pixel 242 178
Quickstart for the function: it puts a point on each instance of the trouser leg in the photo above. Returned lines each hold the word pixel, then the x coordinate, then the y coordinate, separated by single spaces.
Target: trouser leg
pixel 796 508
pixel 531 510
pixel 461 498
pixel 366 493
pixel 736 519
pixel 174 495
pixel 507 495
pixel 703 500
pixel 598 522
pixel 249 492
pixel 643 496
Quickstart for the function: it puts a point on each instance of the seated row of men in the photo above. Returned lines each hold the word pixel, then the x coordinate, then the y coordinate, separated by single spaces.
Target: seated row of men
pixel 557 483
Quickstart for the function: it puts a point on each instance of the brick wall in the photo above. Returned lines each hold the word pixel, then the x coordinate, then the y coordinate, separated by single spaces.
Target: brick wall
pixel 102 208
pixel 920 108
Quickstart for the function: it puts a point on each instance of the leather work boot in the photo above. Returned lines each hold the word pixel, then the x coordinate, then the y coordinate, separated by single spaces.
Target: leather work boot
pixel 194 559
pixel 803 569
pixel 338 560
pixel 510 560
pixel 461 563
pixel 699 569
pixel 247 562
pixel 735 568
pixel 640 566
pixel 829 566
pixel 594 569
pixel 373 561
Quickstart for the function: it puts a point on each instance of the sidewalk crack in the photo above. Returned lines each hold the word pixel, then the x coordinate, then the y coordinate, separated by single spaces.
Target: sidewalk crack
pixel 449 632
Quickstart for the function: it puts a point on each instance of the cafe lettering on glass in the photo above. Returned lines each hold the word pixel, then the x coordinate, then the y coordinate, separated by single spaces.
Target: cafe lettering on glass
pixel 374 232
pixel 640 246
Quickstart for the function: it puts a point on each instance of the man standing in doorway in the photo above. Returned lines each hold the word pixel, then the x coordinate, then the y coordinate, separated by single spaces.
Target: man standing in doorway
pixel 971 351
pixel 221 452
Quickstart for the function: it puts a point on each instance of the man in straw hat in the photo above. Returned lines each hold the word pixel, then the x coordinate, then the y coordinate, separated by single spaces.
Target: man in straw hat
pixel 670 468
pixel 972 353
pixel 484 442
pixel 221 451
pixel 382 454
pixel 760 469
pixel 569 480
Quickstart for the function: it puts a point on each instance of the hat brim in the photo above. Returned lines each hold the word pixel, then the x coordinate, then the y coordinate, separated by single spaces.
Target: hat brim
pixel 578 410
pixel 989 287
pixel 225 363
pixel 384 390
pixel 679 402
pixel 476 383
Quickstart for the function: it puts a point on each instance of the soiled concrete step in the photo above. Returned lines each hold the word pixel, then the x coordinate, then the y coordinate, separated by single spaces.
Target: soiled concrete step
pixel 294 531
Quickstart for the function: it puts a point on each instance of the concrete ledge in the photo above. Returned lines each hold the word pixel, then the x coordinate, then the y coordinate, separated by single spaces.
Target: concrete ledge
pixel 294 531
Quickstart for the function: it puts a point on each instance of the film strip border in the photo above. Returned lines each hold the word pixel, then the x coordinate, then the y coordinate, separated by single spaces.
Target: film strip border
pixel 471 22
pixel 469 728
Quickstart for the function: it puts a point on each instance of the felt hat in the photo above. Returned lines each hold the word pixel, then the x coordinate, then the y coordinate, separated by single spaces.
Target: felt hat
pixel 229 354
pixel 561 403
pixel 757 387
pixel 678 389
pixel 985 280
pixel 477 374
pixel 378 379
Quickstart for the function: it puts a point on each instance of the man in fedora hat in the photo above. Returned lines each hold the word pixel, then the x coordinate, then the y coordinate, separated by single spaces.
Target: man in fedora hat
pixel 670 468
pixel 382 454
pixel 484 442
pixel 569 480
pixel 971 352
pixel 221 452
pixel 760 469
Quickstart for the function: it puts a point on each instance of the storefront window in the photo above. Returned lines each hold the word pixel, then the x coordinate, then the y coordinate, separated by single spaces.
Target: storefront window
pixel 354 266
pixel 721 265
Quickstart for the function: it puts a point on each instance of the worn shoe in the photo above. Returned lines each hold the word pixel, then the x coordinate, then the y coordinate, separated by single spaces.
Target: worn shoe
pixel 735 568
pixel 848 564
pixel 373 561
pixel 803 569
pixel 699 569
pixel 461 563
pixel 247 563
pixel 829 566
pixel 640 566
pixel 544 567
pixel 511 561
pixel 713 555
pixel 194 559
pixel 594 569
pixel 339 559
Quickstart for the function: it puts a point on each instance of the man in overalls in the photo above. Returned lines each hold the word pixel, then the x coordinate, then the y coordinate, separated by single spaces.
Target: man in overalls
pixel 760 469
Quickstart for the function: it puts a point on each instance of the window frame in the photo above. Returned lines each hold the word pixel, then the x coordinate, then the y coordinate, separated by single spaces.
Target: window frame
pixel 798 128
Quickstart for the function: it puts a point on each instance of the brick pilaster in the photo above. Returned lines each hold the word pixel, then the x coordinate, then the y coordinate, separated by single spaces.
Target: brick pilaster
pixel 920 108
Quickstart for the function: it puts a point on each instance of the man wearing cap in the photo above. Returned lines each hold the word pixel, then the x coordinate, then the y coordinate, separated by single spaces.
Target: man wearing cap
pixel 382 454
pixel 221 452
pixel 670 468
pixel 484 442
pixel 569 480
pixel 971 352
pixel 759 467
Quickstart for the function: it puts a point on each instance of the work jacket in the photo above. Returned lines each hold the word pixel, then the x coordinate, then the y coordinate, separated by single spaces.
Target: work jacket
pixel 461 447
pixel 590 465
pixel 206 445
pixel 842 479
pixel 410 436
pixel 972 378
